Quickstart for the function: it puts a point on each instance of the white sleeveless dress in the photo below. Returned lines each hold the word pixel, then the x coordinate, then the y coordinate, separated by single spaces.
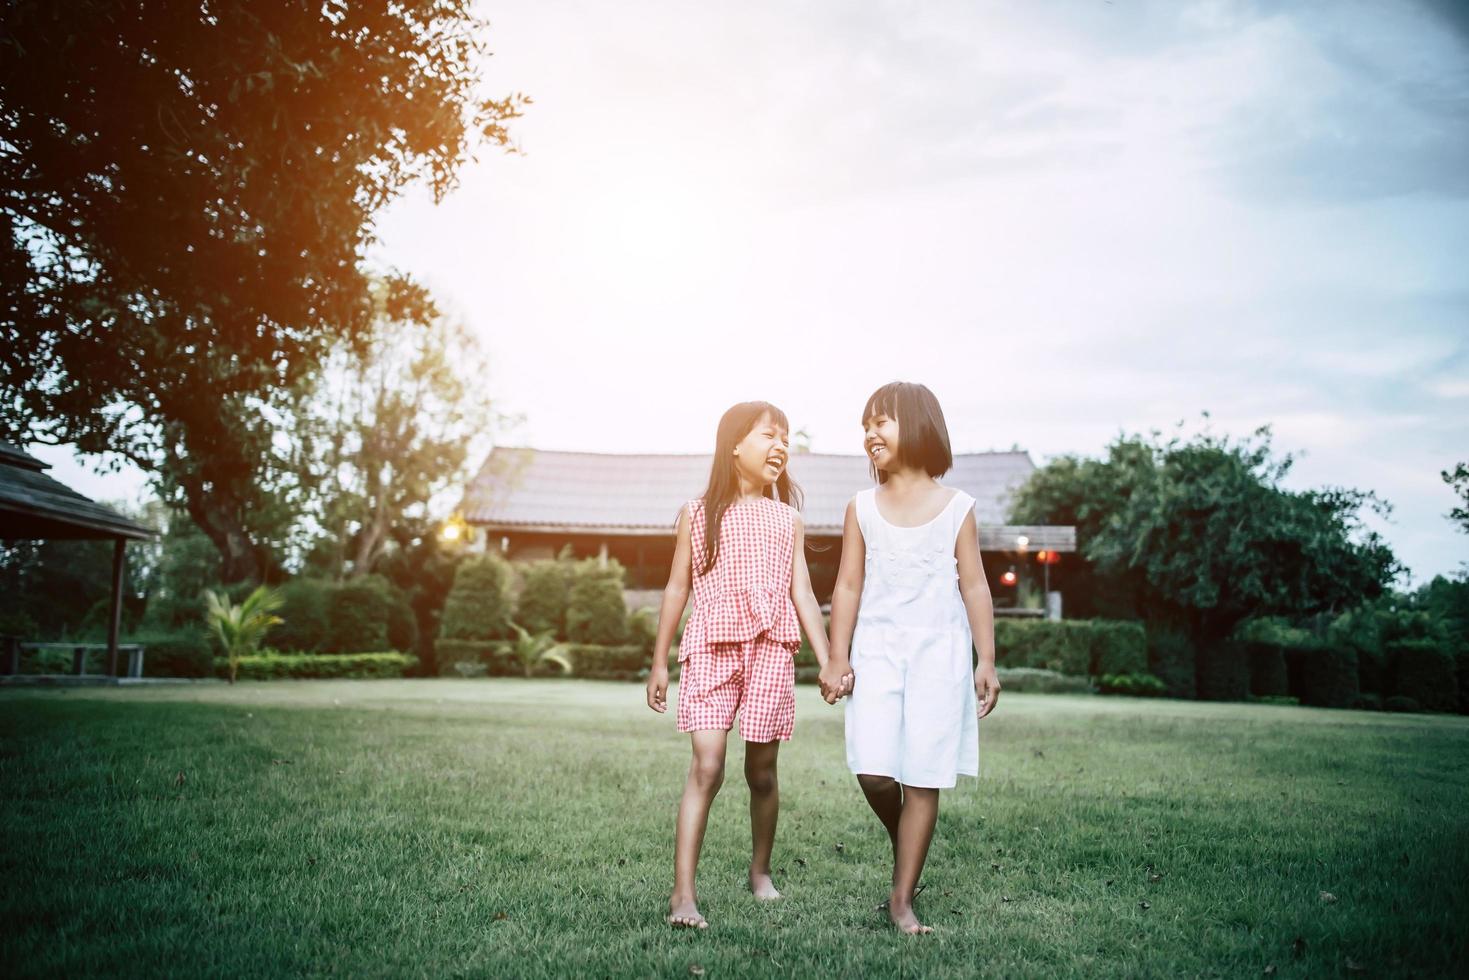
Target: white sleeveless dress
pixel 912 712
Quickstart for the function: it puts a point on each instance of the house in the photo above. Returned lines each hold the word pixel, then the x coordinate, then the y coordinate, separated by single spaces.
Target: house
pixel 532 503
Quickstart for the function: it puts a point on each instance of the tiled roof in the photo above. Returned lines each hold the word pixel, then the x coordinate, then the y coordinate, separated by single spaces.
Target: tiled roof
pixel 32 502
pixel 633 494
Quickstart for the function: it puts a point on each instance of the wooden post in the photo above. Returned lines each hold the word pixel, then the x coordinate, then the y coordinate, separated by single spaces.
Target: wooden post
pixel 114 622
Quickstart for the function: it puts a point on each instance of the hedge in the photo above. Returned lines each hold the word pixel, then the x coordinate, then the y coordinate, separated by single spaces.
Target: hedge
pixel 1222 670
pixel 1171 659
pixel 595 610
pixel 1268 677
pixel 357 616
pixel 544 589
pixel 303 665
pixel 478 605
pixel 1135 685
pixel 498 659
pixel 1036 680
pixel 1425 672
pixel 1328 675
pixel 1079 647
pixel 188 653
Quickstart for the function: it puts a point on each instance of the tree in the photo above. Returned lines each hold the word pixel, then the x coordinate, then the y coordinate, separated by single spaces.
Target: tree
pixel 1206 534
pixel 187 192
pixel 383 429
pixel 1458 479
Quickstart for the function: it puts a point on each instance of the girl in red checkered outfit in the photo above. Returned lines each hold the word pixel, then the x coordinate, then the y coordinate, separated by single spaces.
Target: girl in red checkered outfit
pixel 741 547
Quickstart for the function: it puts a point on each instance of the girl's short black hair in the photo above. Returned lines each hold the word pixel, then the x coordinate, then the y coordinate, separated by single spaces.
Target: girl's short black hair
pixel 923 438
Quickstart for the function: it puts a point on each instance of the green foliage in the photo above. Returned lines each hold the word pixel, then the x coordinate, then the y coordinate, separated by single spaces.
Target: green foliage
pixel 613 663
pixel 1222 671
pixel 595 610
pixel 278 666
pixel 1201 532
pixel 1400 703
pixel 188 564
pixel 476 658
pixel 305 615
pixel 1037 680
pixel 1172 659
pixel 51 586
pixel 357 617
pixel 1268 676
pixel 200 184
pixel 1078 647
pixel 241 628
pixel 1118 648
pixel 1425 672
pixel 1461 671
pixel 500 658
pixel 642 632
pixel 183 653
pixel 545 588
pixel 478 606
pixel 1133 685
pixel 1458 481
pixel 1329 677
pixel 534 650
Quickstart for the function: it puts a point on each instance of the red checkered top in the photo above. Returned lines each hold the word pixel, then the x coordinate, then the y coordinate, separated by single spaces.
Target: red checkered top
pixel 748 591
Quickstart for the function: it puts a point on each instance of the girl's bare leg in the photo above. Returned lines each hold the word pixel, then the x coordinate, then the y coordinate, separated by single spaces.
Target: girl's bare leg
pixel 885 796
pixel 764 810
pixel 915 832
pixel 706 773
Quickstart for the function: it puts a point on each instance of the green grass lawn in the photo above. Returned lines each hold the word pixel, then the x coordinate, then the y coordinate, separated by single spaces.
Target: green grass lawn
pixel 524 828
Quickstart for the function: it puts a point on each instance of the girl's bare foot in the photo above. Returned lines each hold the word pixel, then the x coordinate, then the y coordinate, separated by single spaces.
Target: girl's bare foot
pixel 762 887
pixel 902 916
pixel 684 914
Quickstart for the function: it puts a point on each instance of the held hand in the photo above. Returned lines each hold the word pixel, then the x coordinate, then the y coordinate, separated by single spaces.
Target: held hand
pixel 658 690
pixel 849 681
pixel 986 688
pixel 832 680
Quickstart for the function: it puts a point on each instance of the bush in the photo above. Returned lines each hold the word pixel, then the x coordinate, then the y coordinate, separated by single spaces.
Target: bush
pixel 275 666
pixel 1461 668
pixel 1063 647
pixel 304 612
pixel 1367 701
pixel 1424 672
pixel 186 653
pixel 478 606
pixel 615 663
pixel 357 616
pixel 1268 677
pixel 1399 703
pixel 595 610
pixel 1223 671
pixel 1328 675
pixel 544 590
pixel 1037 680
pixel 1171 659
pixel 642 631
pixel 1135 685
pixel 494 657
pixel 1118 648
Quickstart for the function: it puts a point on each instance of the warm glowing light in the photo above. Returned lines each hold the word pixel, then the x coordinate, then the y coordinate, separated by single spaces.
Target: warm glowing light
pixel 1022 542
pixel 1008 578
pixel 450 532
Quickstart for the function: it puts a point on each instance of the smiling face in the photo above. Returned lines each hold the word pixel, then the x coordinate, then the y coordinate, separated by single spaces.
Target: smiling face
pixel 761 456
pixel 880 440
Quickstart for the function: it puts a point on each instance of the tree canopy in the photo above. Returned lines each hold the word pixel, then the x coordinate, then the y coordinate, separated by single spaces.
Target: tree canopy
pixel 1200 531
pixel 187 191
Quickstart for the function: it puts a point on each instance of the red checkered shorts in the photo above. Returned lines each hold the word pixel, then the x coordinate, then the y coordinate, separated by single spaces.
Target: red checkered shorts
pixel 756 679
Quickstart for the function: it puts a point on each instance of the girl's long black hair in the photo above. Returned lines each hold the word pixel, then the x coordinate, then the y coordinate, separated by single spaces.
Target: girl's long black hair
pixel 724 483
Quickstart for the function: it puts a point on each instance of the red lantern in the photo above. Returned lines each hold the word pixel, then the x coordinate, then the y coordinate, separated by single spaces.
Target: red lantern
pixel 1008 578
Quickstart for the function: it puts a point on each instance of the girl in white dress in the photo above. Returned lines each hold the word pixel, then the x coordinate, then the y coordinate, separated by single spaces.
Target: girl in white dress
pixel 911 604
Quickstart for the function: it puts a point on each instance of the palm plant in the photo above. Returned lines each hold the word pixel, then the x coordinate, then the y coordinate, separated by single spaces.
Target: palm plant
pixel 533 649
pixel 240 628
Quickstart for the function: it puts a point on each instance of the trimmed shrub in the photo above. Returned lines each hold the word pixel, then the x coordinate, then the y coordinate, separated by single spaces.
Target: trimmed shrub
pixel 1328 675
pixel 1399 703
pixel 1367 701
pixel 277 666
pixel 1223 671
pixel 478 606
pixel 357 616
pixel 642 630
pixel 1134 685
pixel 1268 676
pixel 187 653
pixel 494 657
pixel 1424 672
pixel 305 610
pixel 1171 659
pixel 1037 680
pixel 544 590
pixel 1118 648
pixel 615 663
pixel 595 610
pixel 1063 647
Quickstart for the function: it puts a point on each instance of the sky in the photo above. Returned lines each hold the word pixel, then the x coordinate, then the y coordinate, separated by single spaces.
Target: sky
pixel 1071 220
